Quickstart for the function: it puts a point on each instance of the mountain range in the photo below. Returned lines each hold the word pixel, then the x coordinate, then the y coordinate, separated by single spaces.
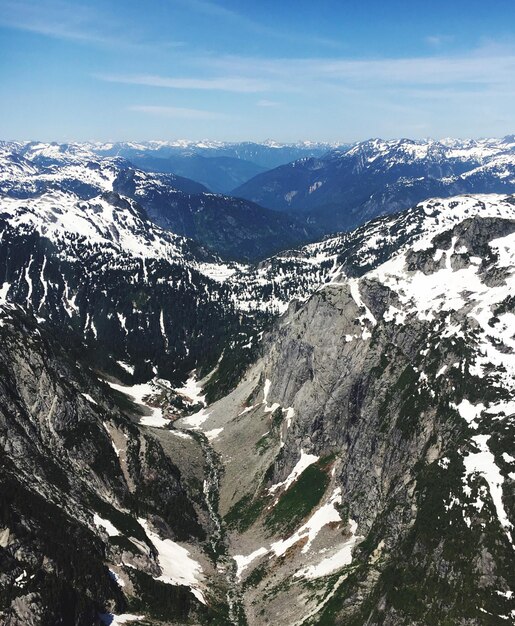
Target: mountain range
pixel 220 166
pixel 232 227
pixel 209 414
pixel 344 188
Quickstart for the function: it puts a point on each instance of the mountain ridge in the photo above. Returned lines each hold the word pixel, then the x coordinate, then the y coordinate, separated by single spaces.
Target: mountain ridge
pixel 346 187
pixel 228 226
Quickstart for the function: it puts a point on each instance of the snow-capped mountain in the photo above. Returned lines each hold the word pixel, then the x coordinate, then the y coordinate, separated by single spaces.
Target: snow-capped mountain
pixel 220 166
pixel 344 188
pixel 267 154
pixel 232 227
pixel 99 268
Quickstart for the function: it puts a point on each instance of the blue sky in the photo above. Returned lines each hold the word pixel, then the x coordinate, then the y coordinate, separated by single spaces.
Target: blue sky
pixel 234 69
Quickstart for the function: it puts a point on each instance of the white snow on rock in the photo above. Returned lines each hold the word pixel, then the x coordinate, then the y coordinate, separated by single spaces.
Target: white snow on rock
pixel 331 564
pixel 117 579
pixel 123 364
pixel 441 371
pixel 156 421
pixel 483 463
pixel 304 462
pixel 60 216
pixel 266 391
pixel 356 295
pixel 106 525
pixel 109 619
pixel 138 394
pixel 3 292
pixel 469 412
pixel 177 566
pixel 290 414
pixel 213 434
pixel 501 408
pixel 89 398
pixel 196 420
pixel 326 514
pixel 219 272
pixel 242 562
pixel 116 449
pixel 180 433
pixel 192 391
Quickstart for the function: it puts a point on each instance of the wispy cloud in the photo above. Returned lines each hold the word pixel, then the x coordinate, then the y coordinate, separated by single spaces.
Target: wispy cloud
pixel 61 19
pixel 53 18
pixel 267 103
pixel 438 40
pixel 485 73
pixel 228 83
pixel 176 112
pixel 213 9
pixel 479 67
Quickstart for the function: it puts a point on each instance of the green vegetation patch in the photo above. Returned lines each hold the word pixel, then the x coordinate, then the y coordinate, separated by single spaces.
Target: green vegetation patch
pixel 301 498
pixel 245 512
pixel 255 577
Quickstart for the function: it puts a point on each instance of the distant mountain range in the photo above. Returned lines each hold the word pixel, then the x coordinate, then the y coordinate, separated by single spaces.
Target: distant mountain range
pixel 346 187
pixel 219 166
pixel 326 191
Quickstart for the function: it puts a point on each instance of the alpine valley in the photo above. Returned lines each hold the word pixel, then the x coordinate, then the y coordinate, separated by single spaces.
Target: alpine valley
pixel 251 384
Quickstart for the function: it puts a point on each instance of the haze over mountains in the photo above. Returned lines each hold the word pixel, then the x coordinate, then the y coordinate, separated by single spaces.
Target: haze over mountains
pixel 229 164
pixel 288 402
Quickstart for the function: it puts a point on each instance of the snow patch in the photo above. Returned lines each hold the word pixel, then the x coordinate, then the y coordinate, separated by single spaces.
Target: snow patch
pixel 108 526
pixel 196 420
pixel 109 619
pixel 304 462
pixel 181 434
pixel 117 579
pixel 469 412
pixel 177 566
pixel 3 292
pixel 138 393
pixel 483 463
pixel 192 390
pixel 213 434
pixel 242 562
pixel 331 564
pixel 89 398
pixel 123 364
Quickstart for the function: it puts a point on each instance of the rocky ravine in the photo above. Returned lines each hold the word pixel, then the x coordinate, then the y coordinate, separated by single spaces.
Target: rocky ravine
pixel 99 513
pixel 369 455
pixel 360 473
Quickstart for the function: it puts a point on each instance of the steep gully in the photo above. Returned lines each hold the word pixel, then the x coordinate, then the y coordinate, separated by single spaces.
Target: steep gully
pixel 224 562
pixel 214 469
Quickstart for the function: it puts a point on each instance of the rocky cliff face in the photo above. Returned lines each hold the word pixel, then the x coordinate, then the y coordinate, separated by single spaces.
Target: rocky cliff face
pixel 377 441
pixel 95 515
